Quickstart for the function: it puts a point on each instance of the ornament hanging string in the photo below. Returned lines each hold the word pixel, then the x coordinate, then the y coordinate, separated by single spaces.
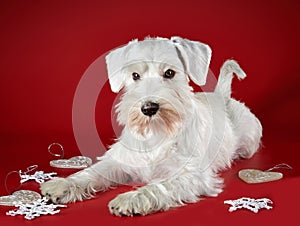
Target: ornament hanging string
pixel 280 166
pixel 61 155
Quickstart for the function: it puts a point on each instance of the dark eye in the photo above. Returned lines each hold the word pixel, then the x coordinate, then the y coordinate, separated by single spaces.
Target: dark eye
pixel 169 73
pixel 135 76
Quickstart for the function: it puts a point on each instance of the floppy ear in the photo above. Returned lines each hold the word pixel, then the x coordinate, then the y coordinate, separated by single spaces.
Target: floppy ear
pixel 115 61
pixel 195 57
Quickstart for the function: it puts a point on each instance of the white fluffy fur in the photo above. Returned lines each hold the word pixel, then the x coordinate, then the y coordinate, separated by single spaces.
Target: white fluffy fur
pixel 178 151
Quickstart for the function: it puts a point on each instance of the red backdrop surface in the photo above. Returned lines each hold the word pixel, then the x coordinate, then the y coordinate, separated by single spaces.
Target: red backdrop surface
pixel 46 46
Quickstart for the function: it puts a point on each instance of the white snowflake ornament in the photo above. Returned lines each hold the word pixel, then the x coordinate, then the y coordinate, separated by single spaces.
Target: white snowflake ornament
pixel 248 203
pixel 38 176
pixel 35 209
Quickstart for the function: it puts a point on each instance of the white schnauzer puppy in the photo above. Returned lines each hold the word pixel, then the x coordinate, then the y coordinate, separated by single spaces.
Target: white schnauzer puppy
pixel 174 141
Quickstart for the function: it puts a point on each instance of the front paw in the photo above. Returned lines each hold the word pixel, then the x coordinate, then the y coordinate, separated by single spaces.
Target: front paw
pixel 133 203
pixel 59 190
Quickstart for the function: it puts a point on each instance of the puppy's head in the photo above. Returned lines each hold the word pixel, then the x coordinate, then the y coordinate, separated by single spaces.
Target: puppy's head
pixel 155 74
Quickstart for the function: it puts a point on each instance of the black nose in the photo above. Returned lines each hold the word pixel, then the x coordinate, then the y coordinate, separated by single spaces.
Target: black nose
pixel 149 108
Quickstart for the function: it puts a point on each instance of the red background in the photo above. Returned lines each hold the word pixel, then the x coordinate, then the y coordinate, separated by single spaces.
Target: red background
pixel 46 46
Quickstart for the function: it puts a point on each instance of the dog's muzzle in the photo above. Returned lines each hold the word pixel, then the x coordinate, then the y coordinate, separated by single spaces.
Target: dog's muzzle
pixel 149 108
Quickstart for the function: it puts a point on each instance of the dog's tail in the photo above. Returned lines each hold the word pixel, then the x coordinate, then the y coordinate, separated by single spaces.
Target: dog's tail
pixel 223 86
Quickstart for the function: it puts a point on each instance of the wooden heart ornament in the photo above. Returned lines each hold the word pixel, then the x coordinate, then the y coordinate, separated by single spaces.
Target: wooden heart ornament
pixel 24 196
pixel 77 162
pixel 253 176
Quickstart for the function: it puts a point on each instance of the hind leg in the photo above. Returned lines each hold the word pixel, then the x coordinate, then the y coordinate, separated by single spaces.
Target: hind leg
pixel 247 128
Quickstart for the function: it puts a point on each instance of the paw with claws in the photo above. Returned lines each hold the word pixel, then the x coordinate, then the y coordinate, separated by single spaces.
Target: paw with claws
pixel 133 203
pixel 58 190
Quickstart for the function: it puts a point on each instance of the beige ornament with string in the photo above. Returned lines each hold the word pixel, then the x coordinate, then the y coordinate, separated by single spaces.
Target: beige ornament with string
pixel 254 176
pixel 23 196
pixel 77 162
